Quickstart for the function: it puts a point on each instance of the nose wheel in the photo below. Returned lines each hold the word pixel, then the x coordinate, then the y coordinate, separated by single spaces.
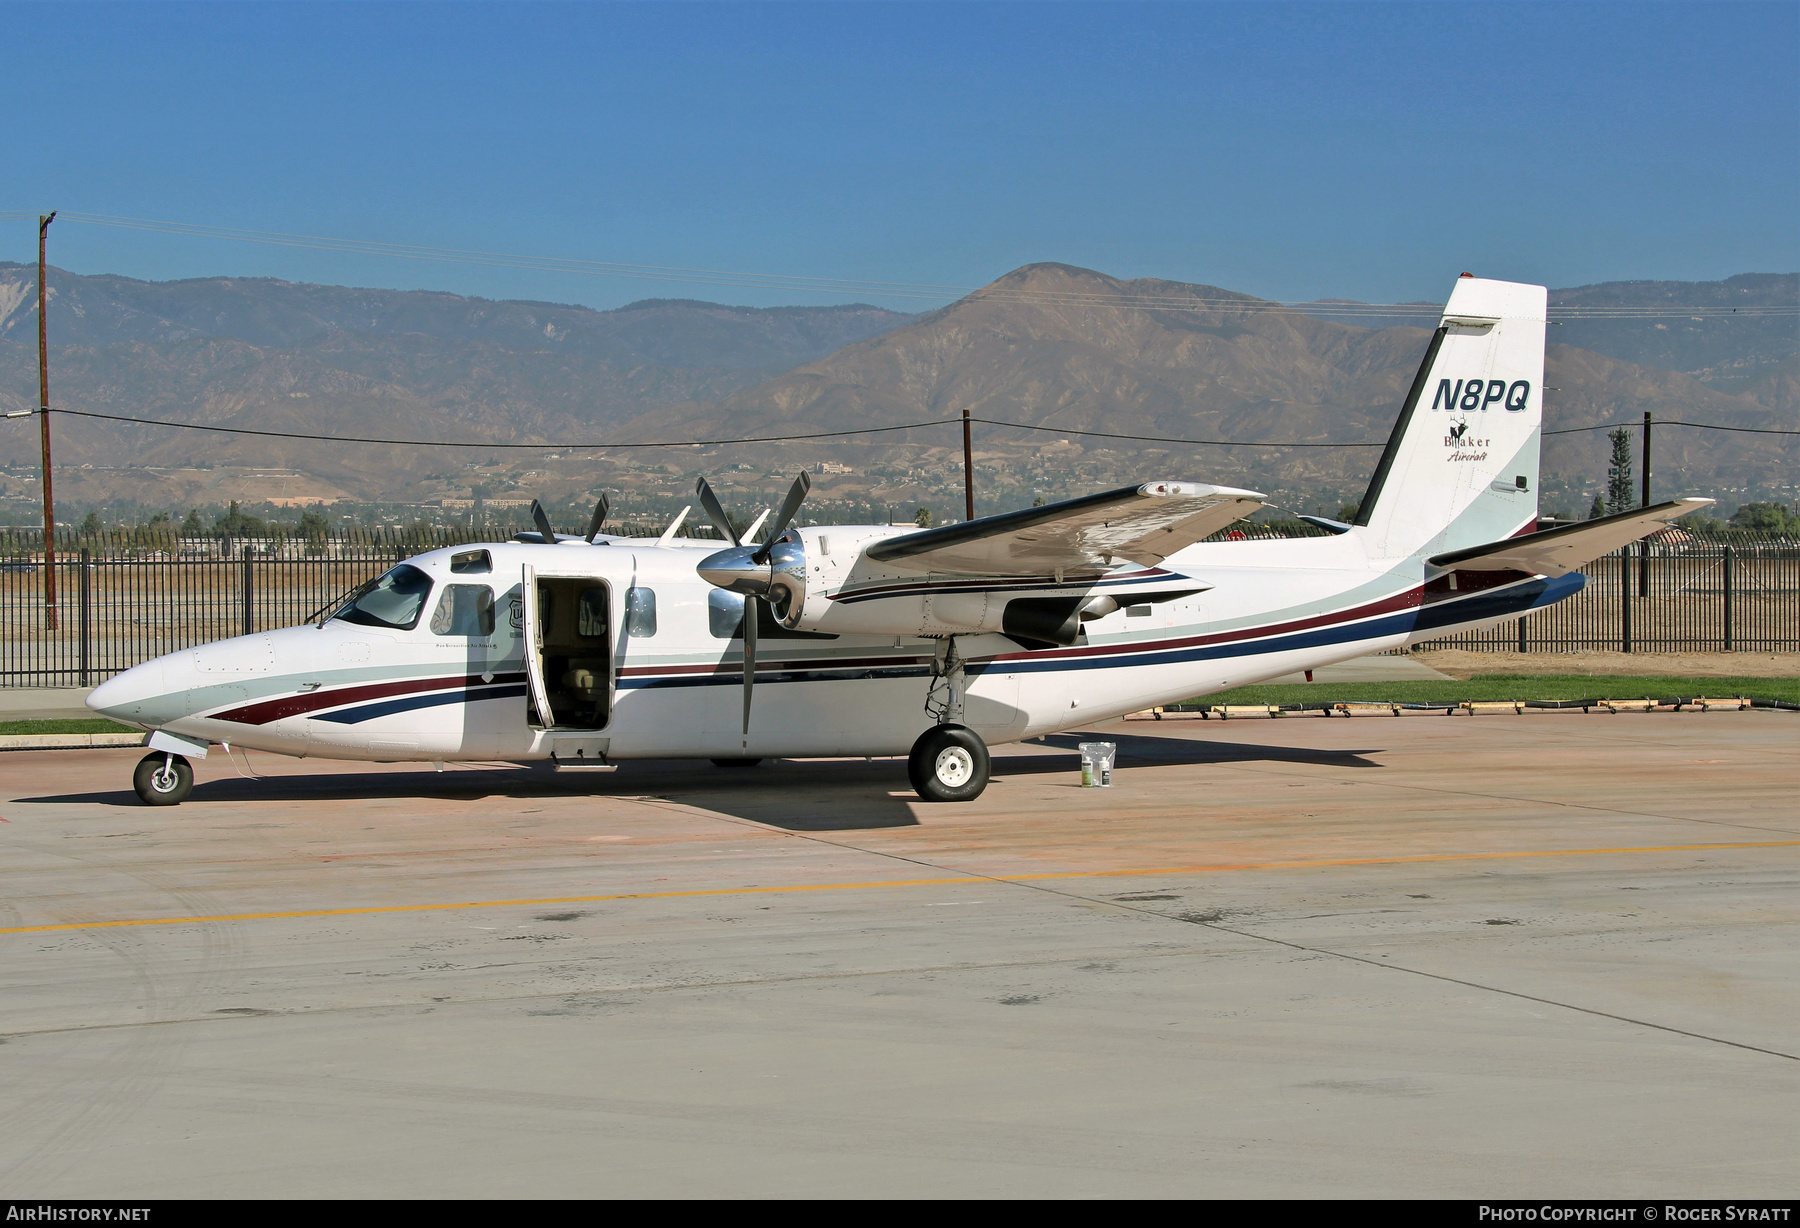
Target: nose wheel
pixel 949 763
pixel 163 779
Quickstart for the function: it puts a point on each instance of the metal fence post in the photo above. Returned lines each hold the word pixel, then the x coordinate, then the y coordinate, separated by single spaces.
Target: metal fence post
pixel 87 601
pixel 1521 633
pixel 249 595
pixel 1624 598
pixel 1728 581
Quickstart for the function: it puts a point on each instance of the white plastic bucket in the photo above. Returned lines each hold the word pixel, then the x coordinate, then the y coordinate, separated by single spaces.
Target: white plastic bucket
pixel 1097 764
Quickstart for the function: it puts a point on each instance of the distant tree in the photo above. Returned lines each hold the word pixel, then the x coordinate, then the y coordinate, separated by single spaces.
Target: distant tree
pixel 91 526
pixel 1348 512
pixel 313 530
pixel 1038 502
pixel 419 535
pixel 922 518
pixel 1772 518
pixel 191 526
pixel 1620 497
pixel 236 524
pixel 1599 508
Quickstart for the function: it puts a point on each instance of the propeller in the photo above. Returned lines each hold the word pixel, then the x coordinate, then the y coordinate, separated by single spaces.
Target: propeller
pixel 774 572
pixel 542 519
pixel 546 532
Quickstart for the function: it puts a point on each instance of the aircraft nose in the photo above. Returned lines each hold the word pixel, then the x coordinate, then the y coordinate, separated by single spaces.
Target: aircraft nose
pixel 737 571
pixel 123 695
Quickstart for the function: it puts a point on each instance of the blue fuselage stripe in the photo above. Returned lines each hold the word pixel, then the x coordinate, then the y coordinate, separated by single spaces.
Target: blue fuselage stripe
pixel 369 712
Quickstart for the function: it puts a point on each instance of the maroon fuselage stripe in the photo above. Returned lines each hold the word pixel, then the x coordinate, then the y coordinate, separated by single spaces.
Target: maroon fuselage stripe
pixel 312 701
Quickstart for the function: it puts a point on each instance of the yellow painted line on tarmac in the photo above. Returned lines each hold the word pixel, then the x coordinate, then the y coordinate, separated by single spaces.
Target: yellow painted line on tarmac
pixel 969 879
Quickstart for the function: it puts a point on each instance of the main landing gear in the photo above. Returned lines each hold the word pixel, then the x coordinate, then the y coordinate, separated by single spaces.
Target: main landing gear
pixel 949 763
pixel 163 779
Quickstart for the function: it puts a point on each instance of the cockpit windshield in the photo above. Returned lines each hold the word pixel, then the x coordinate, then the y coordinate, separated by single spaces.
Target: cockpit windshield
pixel 395 600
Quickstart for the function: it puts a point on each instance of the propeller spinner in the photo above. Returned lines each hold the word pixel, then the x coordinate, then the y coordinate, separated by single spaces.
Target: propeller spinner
pixel 774 572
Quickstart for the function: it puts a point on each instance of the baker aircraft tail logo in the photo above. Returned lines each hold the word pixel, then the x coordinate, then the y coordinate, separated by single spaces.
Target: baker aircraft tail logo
pixel 1459 430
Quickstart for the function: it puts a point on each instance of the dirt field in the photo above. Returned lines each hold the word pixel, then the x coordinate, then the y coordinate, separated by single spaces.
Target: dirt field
pixel 1461 664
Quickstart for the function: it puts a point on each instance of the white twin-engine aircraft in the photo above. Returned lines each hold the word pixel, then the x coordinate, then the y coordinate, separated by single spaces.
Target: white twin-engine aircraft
pixel 858 640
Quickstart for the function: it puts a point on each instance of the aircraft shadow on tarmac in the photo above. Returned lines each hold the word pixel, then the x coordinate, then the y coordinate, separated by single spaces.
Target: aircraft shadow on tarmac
pixel 795 795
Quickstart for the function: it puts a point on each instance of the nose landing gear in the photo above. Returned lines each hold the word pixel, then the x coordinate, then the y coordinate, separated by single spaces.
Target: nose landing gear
pixel 949 763
pixel 163 779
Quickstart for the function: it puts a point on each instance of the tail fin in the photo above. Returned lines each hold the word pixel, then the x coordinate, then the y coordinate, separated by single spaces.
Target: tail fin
pixel 1461 467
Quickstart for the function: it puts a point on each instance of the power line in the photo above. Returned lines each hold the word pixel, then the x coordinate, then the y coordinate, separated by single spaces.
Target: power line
pixel 478 443
pixel 1699 426
pixel 595 445
pixel 803 284
pixel 1206 443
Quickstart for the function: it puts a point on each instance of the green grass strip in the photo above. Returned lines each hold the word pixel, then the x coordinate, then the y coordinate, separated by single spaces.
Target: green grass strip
pixel 92 724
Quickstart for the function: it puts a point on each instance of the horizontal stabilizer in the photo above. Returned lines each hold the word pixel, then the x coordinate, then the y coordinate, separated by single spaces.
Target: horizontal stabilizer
pixel 1558 551
pixel 1137 524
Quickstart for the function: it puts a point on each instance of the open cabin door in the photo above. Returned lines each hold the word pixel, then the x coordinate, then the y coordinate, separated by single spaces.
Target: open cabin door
pixel 534 647
pixel 568 636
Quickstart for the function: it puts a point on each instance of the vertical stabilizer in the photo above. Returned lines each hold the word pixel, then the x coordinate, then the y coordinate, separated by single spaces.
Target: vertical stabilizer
pixel 1461 467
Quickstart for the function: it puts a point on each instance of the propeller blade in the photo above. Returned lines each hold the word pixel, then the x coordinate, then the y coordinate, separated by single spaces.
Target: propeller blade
pixel 795 496
pixel 750 533
pixel 598 518
pixel 715 512
pixel 543 523
pixel 750 613
pixel 668 534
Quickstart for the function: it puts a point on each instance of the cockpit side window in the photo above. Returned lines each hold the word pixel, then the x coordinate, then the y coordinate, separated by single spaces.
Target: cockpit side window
pixel 464 609
pixel 471 562
pixel 394 601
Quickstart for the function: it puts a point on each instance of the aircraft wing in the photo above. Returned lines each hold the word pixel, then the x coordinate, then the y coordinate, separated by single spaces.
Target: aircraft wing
pixel 1139 524
pixel 1558 551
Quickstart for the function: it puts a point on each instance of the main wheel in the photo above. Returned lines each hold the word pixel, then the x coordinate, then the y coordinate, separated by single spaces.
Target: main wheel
pixel 163 779
pixel 736 763
pixel 948 764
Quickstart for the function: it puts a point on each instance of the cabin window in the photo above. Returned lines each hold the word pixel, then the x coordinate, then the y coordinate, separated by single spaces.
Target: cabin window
pixel 464 609
pixel 640 611
pixel 1137 611
pixel 590 614
pixel 724 614
pixel 395 600
pixel 471 563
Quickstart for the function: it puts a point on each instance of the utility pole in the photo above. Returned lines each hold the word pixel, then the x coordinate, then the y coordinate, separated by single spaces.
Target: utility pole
pixel 1644 547
pixel 44 423
pixel 968 468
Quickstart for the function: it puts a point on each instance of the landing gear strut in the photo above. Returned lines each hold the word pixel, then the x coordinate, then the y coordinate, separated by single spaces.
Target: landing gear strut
pixel 949 763
pixel 163 779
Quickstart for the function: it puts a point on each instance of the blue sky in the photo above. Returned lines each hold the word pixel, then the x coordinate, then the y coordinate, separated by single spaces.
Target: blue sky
pixel 1352 150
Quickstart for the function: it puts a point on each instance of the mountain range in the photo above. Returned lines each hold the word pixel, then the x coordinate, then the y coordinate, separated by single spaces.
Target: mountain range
pixel 1047 345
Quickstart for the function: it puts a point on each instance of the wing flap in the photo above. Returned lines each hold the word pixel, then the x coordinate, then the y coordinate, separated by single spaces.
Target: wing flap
pixel 1138 524
pixel 1559 551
